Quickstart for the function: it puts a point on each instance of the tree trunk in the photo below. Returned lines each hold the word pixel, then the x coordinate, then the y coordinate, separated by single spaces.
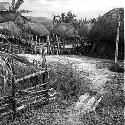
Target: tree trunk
pixel 57 44
pixel 6 16
pixel 117 40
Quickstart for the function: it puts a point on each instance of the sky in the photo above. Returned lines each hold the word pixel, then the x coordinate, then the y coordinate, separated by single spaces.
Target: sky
pixel 81 8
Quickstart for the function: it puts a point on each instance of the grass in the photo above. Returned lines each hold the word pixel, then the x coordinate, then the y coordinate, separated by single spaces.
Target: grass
pixel 21 69
pixel 68 83
pixel 109 111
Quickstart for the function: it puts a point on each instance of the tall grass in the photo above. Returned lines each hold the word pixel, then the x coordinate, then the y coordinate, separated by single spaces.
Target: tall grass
pixel 67 81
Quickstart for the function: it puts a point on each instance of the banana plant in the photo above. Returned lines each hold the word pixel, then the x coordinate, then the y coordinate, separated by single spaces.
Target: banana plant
pixel 13 12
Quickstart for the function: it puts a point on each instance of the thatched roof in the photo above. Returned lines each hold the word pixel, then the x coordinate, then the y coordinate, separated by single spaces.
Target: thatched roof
pixel 105 29
pixel 65 30
pixel 4 6
pixel 10 28
pixel 36 29
pixel 85 29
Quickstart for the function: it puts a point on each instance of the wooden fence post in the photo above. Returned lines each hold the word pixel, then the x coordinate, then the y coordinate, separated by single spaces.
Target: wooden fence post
pixel 35 47
pixel 45 74
pixel 57 44
pixel 48 45
pixel 13 90
pixel 117 40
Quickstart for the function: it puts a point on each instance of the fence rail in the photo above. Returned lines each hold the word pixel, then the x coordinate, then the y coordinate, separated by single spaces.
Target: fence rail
pixel 14 48
pixel 21 99
pixel 24 98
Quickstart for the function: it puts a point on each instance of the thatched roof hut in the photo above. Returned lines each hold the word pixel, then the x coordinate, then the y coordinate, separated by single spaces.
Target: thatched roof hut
pixel 6 14
pixel 10 28
pixel 85 29
pixel 5 6
pixel 103 34
pixel 105 29
pixel 64 30
pixel 36 29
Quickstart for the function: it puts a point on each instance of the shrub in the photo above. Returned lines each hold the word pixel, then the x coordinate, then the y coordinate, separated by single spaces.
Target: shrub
pixel 117 68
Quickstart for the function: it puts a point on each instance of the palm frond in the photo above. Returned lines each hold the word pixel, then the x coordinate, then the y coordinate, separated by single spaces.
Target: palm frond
pixel 18 4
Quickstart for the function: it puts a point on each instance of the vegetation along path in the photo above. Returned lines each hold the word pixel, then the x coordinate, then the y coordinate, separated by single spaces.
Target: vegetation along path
pixel 98 85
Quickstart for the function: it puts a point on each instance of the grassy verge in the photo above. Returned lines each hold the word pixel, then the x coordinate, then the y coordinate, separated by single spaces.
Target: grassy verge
pixel 68 82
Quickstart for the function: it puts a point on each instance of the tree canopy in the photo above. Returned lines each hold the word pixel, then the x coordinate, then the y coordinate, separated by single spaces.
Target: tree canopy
pixel 68 17
pixel 65 30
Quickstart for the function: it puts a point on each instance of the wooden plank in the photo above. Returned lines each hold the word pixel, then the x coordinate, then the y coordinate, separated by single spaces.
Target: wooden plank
pixel 29 76
pixel 30 104
pixel 30 100
pixel 34 89
pixel 31 94
pixel 36 93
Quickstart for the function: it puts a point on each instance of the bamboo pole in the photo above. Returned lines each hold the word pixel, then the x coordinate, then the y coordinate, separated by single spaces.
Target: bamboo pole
pixel 117 40
pixel 29 76
pixel 57 44
pixel 48 45
pixel 39 40
pixel 13 90
pixel 35 47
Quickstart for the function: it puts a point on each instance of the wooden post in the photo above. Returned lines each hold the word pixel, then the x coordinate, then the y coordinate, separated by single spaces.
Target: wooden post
pixel 57 44
pixel 18 46
pixel 39 40
pixel 45 75
pixel 48 45
pixel 32 51
pixel 0 46
pixel 117 40
pixel 13 90
pixel 35 47
pixel 43 58
pixel 18 49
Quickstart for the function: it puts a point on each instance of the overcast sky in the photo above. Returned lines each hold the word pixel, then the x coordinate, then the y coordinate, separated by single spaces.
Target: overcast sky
pixel 81 8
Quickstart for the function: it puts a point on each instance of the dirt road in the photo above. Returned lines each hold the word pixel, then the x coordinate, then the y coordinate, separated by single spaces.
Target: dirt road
pixel 93 70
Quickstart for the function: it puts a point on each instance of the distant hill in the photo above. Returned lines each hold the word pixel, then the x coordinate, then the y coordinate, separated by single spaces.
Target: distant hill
pixel 45 21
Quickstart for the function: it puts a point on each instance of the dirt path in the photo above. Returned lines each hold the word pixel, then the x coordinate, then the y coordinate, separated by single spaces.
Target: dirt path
pixel 97 76
pixel 89 68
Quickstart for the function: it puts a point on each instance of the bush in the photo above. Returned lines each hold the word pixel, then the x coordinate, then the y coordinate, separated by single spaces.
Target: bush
pixel 67 81
pixel 117 68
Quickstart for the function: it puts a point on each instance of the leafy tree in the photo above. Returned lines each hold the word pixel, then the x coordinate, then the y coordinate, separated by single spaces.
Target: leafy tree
pixel 65 18
pixel 70 17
